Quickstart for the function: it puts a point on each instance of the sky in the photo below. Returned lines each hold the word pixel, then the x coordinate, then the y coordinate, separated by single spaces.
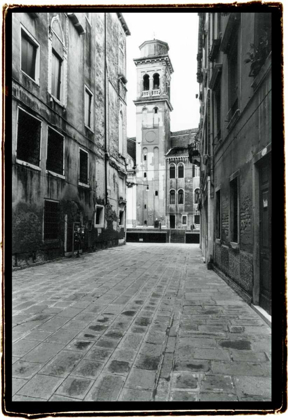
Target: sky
pixel 180 31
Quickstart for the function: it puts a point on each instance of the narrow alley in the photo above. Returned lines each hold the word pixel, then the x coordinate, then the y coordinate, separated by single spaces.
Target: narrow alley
pixel 139 322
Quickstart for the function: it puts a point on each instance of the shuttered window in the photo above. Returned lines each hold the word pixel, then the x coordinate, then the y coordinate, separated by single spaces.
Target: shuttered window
pixel 55 152
pixel 28 140
pixel 51 220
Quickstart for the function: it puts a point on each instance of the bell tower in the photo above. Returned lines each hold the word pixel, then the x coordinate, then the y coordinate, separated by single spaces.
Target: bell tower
pixel 153 107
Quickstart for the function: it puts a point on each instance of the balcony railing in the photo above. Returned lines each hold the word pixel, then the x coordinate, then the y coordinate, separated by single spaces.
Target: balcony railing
pixel 155 92
pixel 146 93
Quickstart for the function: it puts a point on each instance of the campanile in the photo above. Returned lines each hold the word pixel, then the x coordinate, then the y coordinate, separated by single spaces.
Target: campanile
pixel 153 107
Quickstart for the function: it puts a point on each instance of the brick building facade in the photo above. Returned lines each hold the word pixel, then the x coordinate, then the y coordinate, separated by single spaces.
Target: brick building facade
pixel 68 133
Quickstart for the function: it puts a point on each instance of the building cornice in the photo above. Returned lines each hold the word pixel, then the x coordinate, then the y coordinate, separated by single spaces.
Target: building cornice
pixel 153 100
pixel 155 59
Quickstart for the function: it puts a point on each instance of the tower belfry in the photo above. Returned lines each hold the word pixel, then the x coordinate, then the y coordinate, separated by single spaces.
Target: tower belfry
pixel 153 107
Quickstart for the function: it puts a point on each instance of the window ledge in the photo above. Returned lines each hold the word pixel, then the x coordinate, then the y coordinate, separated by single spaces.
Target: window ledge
pixel 55 174
pixel 234 245
pixel 36 82
pixel 99 226
pixel 88 128
pixel 82 184
pixel 29 165
pixel 57 101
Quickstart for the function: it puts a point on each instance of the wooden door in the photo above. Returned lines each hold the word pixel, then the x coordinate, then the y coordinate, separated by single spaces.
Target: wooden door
pixel 265 234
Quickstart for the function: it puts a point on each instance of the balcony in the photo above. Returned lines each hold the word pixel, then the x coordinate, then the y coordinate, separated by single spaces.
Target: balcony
pixel 145 93
pixel 155 92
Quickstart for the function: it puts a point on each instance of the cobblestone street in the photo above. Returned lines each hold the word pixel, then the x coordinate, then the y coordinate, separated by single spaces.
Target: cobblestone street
pixel 137 322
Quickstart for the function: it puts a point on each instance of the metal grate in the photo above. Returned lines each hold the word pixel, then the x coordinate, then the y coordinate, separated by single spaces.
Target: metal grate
pixel 51 220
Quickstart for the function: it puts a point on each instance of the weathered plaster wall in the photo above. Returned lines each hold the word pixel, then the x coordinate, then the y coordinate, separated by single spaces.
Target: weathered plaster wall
pixel 85 58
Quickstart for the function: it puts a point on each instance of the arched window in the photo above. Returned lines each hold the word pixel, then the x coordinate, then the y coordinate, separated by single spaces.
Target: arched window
pixel 146 82
pixel 172 197
pixel 180 197
pixel 180 170
pixel 156 81
pixel 172 170
pixel 145 151
pixel 196 196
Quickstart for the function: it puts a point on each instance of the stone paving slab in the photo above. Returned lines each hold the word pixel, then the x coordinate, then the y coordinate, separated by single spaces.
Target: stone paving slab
pixel 142 322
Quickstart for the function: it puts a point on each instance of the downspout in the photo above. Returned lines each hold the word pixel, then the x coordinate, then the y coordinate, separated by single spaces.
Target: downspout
pixel 105 110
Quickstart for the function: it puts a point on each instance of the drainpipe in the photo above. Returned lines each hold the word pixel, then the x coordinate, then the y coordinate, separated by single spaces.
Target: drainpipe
pixel 105 108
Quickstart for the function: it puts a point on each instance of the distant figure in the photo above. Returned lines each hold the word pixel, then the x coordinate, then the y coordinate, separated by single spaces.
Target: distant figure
pixel 145 223
pixel 160 225
pixel 156 223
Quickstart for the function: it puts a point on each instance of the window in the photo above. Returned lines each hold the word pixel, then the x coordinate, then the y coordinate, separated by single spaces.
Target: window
pixel 233 77
pixel 54 161
pixel 218 110
pixel 144 116
pixel 197 219
pixel 146 82
pixel 120 132
pixel 184 220
pixel 145 157
pixel 180 197
pixel 57 61
pixel 83 172
pixel 218 216
pixel 56 75
pixel 155 110
pixel 234 212
pixel 180 170
pixel 88 108
pixel 145 207
pixel 121 217
pixel 172 197
pixel 145 175
pixel 51 220
pixel 156 81
pixel 196 196
pixel 156 193
pixel 28 138
pixel 29 56
pixel 99 216
pixel 172 171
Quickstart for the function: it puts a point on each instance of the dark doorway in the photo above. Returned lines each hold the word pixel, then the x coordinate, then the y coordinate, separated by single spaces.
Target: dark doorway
pixel 172 221
pixel 265 233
